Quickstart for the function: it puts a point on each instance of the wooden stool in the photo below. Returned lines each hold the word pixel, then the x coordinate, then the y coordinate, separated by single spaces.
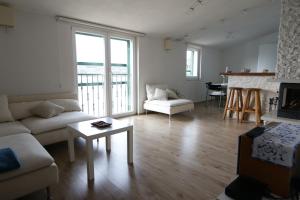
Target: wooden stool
pixel 257 104
pixel 234 103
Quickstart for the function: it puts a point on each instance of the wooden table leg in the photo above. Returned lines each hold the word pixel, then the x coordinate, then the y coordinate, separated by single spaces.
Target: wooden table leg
pixel 71 145
pixel 130 145
pixel 108 143
pixel 90 159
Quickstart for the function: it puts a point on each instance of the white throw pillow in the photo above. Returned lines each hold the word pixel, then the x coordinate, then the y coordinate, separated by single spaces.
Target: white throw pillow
pixel 150 90
pixel 160 94
pixel 5 114
pixel 47 109
pixel 172 94
pixel 22 110
pixel 68 104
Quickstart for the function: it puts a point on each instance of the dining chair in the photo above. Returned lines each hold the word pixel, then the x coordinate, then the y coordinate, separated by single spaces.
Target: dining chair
pixel 215 90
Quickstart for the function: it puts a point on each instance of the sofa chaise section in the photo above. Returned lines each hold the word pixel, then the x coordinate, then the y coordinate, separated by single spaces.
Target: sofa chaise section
pixel 37 168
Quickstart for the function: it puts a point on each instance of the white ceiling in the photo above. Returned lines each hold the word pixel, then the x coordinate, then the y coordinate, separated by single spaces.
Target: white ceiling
pixel 171 18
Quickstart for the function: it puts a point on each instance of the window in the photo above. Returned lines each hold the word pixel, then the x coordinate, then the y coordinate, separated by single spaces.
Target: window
pixel 105 81
pixel 193 62
pixel 90 53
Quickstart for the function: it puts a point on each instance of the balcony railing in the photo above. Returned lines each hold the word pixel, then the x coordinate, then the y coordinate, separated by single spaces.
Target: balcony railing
pixel 91 93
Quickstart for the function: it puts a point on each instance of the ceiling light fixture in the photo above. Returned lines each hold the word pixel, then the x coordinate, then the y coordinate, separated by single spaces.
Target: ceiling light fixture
pixel 186 35
pixel 229 35
pixel 195 5
pixel 244 11
pixel 222 21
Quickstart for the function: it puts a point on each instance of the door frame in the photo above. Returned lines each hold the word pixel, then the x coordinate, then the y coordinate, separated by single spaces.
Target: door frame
pixel 134 72
pixel 107 75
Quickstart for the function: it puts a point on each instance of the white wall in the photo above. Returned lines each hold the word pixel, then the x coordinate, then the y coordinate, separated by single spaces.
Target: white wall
pixel 37 57
pixel 267 57
pixel 168 67
pixel 245 55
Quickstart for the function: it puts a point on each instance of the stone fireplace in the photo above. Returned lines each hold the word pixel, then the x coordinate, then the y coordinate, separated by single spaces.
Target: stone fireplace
pixel 288 52
pixel 288 60
pixel 289 100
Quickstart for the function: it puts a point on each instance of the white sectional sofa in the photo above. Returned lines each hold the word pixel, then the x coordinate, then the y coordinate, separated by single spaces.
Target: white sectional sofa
pixel 25 134
pixel 165 102
pixel 46 131
pixel 37 168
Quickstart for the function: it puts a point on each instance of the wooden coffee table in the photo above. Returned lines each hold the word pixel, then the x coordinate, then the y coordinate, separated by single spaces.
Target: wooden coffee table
pixel 89 133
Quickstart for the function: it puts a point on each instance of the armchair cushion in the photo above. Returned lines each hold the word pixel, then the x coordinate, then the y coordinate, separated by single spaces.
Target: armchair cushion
pixel 150 90
pixel 160 94
pixel 172 94
pixel 171 102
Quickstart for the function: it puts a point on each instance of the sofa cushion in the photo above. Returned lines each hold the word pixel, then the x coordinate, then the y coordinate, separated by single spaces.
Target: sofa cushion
pixel 39 125
pixel 68 104
pixel 10 128
pixel 47 110
pixel 5 114
pixel 171 102
pixel 31 155
pixel 22 110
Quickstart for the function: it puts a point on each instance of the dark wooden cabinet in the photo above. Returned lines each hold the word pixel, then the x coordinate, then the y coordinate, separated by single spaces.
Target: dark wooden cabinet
pixel 278 178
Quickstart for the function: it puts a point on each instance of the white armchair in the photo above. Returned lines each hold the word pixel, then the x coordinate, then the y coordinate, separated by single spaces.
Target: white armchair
pixel 165 105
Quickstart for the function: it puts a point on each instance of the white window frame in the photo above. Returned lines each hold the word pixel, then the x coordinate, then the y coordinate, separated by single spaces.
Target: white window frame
pixel 199 59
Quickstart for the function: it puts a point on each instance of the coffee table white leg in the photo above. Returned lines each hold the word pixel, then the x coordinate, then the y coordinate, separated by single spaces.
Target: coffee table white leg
pixel 130 145
pixel 71 145
pixel 90 159
pixel 108 143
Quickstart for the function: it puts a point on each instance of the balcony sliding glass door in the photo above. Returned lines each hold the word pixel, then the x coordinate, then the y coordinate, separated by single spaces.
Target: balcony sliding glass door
pixel 121 75
pixel 105 73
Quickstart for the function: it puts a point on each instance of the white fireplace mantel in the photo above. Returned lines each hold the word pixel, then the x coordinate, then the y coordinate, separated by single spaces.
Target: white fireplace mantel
pixel 284 80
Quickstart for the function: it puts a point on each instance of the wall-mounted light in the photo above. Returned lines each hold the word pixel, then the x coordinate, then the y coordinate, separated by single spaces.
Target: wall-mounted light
pixel 7 16
pixel 167 44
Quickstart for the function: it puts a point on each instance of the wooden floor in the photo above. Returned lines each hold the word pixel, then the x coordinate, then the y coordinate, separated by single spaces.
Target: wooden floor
pixel 193 157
